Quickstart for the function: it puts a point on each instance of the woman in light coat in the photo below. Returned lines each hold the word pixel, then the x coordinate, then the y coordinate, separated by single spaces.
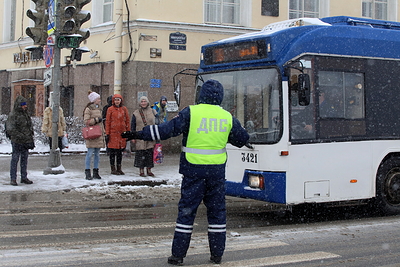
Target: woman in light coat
pixel 141 117
pixel 47 125
pixel 93 115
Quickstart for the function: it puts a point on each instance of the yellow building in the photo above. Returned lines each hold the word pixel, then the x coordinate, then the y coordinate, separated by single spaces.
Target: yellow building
pixel 136 46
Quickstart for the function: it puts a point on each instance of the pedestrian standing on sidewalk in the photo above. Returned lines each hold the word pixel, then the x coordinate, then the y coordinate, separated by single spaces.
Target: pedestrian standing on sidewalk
pixel 206 129
pixel 19 129
pixel 161 108
pixel 104 116
pixel 141 117
pixel 92 116
pixel 47 125
pixel 117 122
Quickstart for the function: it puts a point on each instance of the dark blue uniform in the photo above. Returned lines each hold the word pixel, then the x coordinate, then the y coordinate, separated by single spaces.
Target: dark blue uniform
pixel 200 182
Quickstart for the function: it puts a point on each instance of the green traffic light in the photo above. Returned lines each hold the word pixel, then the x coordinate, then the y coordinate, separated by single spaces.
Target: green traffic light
pixel 68 41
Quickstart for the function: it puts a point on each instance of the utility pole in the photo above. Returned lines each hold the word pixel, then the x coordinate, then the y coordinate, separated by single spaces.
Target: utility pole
pixel 118 47
pixel 39 35
pixel 54 164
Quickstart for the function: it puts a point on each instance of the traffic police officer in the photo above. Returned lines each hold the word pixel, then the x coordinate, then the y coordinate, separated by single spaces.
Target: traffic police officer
pixel 206 129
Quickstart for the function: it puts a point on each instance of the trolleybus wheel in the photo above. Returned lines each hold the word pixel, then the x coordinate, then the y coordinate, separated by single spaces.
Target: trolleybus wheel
pixel 388 187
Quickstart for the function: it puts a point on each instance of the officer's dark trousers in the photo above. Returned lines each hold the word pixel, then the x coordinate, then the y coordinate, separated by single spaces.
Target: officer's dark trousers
pixel 19 151
pixel 211 190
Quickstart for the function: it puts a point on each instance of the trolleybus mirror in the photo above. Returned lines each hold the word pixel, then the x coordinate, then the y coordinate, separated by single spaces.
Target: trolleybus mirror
pixel 304 89
pixel 177 93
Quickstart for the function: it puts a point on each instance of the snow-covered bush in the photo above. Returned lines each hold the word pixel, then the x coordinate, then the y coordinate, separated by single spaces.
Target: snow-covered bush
pixel 74 130
pixel 74 126
pixel 3 138
pixel 40 138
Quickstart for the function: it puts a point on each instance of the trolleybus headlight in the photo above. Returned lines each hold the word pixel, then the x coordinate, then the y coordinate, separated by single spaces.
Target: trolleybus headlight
pixel 256 181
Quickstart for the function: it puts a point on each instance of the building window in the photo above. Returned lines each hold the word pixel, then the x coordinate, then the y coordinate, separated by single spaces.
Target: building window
pixel 375 9
pixel 9 20
pixel 108 8
pixel 222 11
pixel 270 8
pixel 102 11
pixel 304 9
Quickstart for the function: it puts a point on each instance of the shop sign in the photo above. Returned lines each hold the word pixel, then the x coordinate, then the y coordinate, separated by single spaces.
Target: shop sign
pixel 22 57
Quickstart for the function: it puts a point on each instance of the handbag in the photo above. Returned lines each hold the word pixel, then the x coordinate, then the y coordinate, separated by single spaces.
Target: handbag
pixel 158 156
pixel 64 140
pixel 91 132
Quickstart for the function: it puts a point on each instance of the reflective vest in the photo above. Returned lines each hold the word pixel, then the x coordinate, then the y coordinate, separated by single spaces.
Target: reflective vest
pixel 209 130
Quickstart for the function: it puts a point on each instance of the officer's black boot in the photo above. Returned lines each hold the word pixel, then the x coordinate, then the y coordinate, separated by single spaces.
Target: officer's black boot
pixel 216 259
pixel 175 260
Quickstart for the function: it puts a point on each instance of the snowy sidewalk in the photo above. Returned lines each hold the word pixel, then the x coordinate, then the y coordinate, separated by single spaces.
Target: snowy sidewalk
pixel 5 148
pixel 73 178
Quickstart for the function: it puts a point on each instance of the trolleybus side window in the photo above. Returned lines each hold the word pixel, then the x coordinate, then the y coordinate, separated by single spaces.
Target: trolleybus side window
pixel 337 106
pixel 343 113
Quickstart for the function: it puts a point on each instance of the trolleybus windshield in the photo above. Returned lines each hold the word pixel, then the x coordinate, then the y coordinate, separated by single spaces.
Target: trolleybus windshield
pixel 252 96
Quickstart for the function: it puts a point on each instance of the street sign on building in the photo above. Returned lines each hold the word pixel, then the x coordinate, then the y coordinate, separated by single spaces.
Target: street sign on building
pixel 177 41
pixel 155 83
pixel 172 106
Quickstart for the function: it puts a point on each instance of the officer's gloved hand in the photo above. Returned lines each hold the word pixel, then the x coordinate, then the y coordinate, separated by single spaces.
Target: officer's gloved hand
pixel 129 135
pixel 248 145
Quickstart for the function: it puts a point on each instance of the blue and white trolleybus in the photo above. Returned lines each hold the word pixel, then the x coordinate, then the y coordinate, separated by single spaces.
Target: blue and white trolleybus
pixel 320 99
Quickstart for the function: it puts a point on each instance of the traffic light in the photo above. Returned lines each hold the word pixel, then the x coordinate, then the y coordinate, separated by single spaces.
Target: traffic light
pixel 40 16
pixel 76 53
pixel 82 16
pixel 71 19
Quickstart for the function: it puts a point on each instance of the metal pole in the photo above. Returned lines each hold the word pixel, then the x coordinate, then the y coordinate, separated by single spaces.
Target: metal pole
pixel 54 166
pixel 118 47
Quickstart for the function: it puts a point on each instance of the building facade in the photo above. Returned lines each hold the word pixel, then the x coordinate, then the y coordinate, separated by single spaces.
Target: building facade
pixel 158 39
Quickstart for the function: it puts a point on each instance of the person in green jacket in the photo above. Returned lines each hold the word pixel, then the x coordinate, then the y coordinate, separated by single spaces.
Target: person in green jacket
pixel 19 129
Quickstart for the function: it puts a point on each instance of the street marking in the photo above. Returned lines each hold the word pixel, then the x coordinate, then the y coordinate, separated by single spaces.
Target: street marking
pixel 283 259
pixel 84 230
pixel 64 212
pixel 105 252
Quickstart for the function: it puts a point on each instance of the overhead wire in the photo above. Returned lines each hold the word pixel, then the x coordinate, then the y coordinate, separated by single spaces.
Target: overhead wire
pixel 129 33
